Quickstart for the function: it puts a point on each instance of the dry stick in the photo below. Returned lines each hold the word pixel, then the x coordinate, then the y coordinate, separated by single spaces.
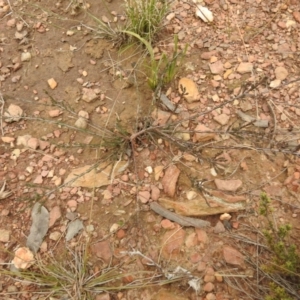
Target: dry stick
pixel 181 220
pixel 1 113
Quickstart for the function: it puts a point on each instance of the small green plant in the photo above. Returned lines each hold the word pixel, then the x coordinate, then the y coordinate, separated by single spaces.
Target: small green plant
pixel 284 260
pixel 165 69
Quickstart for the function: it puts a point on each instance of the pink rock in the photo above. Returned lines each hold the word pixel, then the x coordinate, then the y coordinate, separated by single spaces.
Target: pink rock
pixel 208 287
pixel 217 67
pixel 43 144
pixel 245 67
pixel 219 228
pixel 201 266
pixel 144 196
pixel 72 204
pixel 222 119
pixel 161 117
pixel 208 55
pixel 233 256
pixel 155 192
pixel 23 259
pixel 296 15
pixel 191 240
pixel 170 179
pixel 7 139
pixel 172 242
pixel 167 224
pixel 54 215
pixel 105 296
pixel 210 296
pixel 228 185
pixel 54 113
pixel 201 235
pixel 203 134
pixel 38 179
pixel 102 250
pixel 33 143
pixel 195 258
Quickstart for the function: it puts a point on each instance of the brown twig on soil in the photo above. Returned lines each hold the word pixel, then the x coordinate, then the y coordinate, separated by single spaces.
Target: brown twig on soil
pixel 184 221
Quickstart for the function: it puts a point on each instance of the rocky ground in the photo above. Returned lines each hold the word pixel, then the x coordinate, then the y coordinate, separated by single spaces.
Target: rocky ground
pixel 72 104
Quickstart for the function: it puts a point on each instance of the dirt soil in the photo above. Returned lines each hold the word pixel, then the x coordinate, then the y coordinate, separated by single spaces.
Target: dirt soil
pixel 74 88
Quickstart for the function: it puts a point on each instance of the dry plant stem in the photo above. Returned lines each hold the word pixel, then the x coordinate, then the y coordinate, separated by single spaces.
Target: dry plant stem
pixel 1 113
pixel 181 220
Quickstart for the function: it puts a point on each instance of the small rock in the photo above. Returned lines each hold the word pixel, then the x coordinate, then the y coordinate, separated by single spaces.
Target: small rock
pixel 55 214
pixel 89 95
pixel 7 139
pixel 191 240
pixel 217 67
pixel 23 259
pixel 275 83
pixel 188 89
pixel 225 216
pixel 11 23
pixel 102 250
pixel 167 224
pixel 170 179
pixel 38 180
pixel 144 196
pixel 25 56
pixel 203 134
pixel 55 236
pixel 114 228
pixel 54 113
pixel 172 242
pixel 4 235
pixel 233 256
pixel 201 235
pixel 161 117
pixel 208 55
pixel 208 287
pixel 228 185
pixel 23 140
pixel 222 119
pixel 219 228
pixel 190 195
pixel 210 296
pixel 33 143
pixel 245 67
pixel 281 73
pixel 52 83
pixel 81 123
pixel 170 16
pixel 72 204
pixel 13 113
pixel 296 15
pixel 155 192
pixel 83 114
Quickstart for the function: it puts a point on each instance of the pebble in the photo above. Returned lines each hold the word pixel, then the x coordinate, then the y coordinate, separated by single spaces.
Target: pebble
pixel 222 119
pixel 25 56
pixel 188 89
pixel 55 236
pixel 281 73
pixel 217 67
pixel 4 235
pixel 52 83
pixel 245 67
pixel 228 185
pixel 233 256
pixel 81 123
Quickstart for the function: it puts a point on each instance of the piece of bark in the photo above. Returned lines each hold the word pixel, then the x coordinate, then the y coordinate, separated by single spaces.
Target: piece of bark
pixel 256 122
pixel 181 220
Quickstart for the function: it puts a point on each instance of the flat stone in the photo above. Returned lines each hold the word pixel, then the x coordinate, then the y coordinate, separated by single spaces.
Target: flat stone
pixel 228 185
pixel 188 89
pixel 55 235
pixel 170 179
pixel 209 54
pixel 23 259
pixel 296 15
pixel 4 235
pixel 144 196
pixel 245 67
pixel 89 95
pixel 172 242
pixel 155 192
pixel 219 228
pixel 201 235
pixel 102 250
pixel 33 143
pixel 281 73
pixel 13 113
pixel 54 215
pixel 203 134
pixel 275 83
pixel 233 256
pixel 222 119
pixel 52 83
pixel 217 67
pixel 167 224
pixel 208 287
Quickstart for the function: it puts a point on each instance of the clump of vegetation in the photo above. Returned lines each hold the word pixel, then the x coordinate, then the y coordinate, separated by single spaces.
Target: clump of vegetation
pixel 164 70
pixel 284 261
pixel 144 17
